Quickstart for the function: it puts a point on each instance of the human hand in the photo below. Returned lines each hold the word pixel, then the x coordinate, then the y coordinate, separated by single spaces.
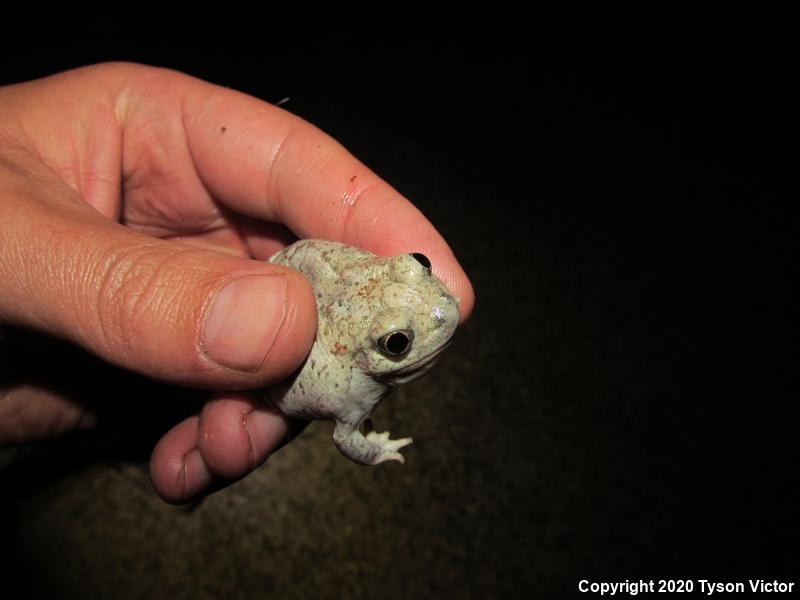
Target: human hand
pixel 137 207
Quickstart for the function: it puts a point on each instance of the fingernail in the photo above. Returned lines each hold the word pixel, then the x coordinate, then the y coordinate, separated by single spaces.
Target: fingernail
pixel 243 321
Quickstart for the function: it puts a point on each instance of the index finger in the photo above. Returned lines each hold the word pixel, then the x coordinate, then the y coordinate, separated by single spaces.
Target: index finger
pixel 264 162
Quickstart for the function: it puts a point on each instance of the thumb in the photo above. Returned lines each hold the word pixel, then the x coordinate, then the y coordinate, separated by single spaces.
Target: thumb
pixel 161 308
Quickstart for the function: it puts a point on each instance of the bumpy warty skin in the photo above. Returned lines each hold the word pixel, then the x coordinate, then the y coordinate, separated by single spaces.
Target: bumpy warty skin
pixel 382 321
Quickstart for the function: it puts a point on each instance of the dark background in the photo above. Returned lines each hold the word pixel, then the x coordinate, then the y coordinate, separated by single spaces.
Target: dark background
pixel 620 405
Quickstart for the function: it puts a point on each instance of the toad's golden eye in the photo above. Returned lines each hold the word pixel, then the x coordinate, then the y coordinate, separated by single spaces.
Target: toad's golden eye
pixel 396 343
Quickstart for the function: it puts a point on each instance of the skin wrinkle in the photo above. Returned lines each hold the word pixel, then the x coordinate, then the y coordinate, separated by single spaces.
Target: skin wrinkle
pixel 74 170
pixel 144 207
pixel 127 175
pixel 118 106
pixel 349 202
pixel 143 277
pixel 252 454
pixel 14 138
pixel 217 220
pixel 153 280
pixel 115 278
pixel 153 154
pixel 21 168
pixel 121 268
pixel 149 171
pixel 99 177
pixel 170 227
pixel 346 201
pixel 181 478
pixel 285 141
pixel 272 174
pixel 70 171
pixel 58 242
pixel 187 146
pixel 77 274
pixel 26 143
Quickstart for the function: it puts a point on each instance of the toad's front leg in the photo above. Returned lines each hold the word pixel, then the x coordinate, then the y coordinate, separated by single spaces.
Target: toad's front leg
pixel 372 449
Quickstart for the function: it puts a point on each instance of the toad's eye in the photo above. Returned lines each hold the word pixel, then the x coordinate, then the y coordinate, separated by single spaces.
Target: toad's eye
pixel 422 259
pixel 396 343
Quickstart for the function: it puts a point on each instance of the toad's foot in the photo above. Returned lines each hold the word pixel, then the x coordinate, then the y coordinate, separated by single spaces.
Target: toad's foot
pixel 389 447
pixel 372 449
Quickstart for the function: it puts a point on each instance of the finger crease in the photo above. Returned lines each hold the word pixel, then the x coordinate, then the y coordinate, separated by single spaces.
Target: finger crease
pixel 349 203
pixel 249 441
pixel 181 479
pixel 272 170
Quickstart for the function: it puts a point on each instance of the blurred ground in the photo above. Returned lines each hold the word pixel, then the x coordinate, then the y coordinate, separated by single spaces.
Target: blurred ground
pixel 619 406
